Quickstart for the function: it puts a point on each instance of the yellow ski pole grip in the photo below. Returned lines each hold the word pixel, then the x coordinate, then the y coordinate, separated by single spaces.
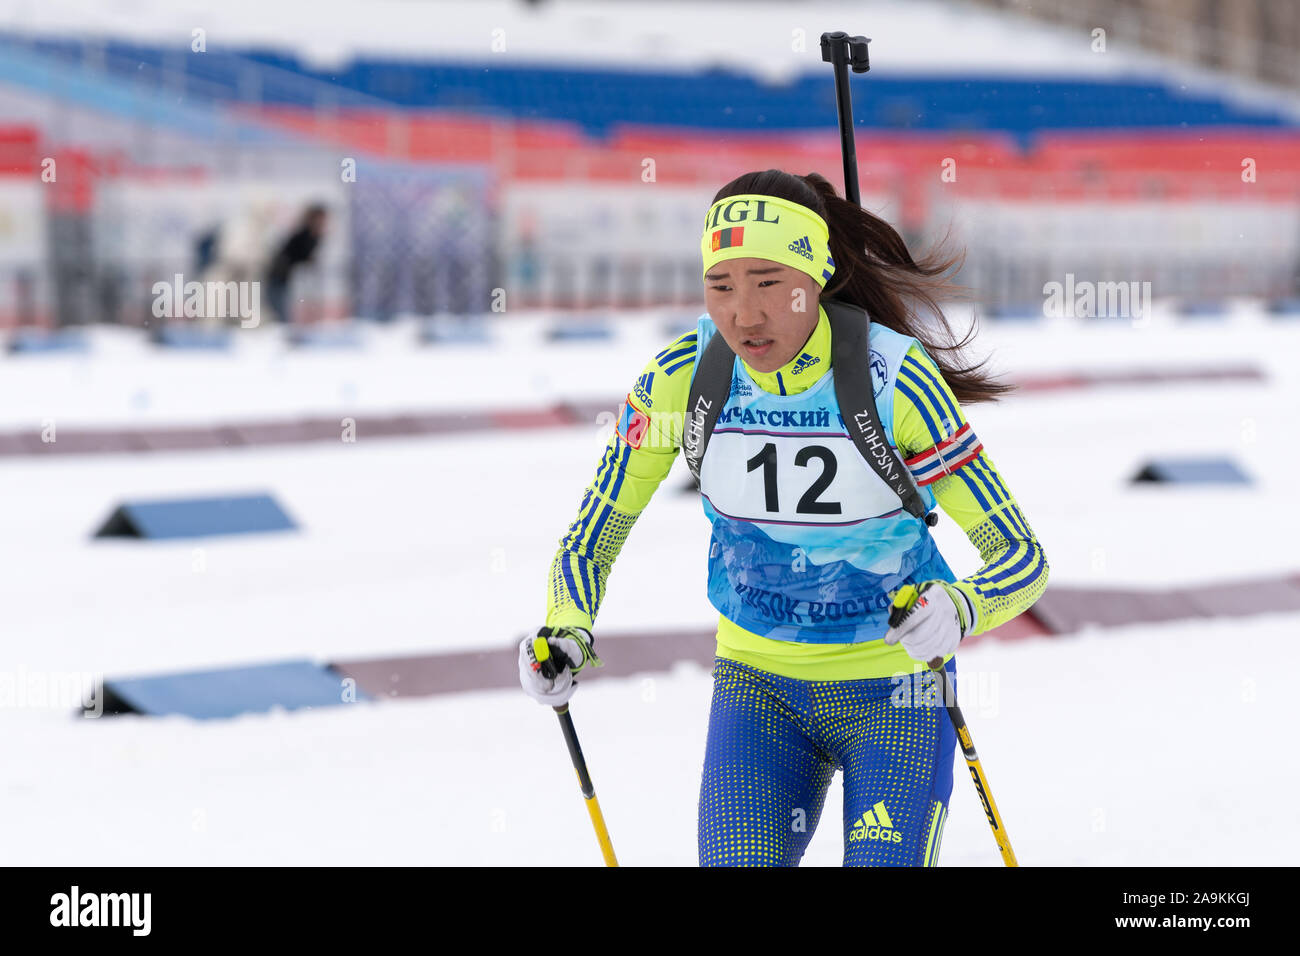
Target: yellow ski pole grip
pixel 542 655
pixel 901 604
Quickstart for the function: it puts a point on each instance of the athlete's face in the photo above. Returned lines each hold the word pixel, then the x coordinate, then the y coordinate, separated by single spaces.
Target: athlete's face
pixel 764 310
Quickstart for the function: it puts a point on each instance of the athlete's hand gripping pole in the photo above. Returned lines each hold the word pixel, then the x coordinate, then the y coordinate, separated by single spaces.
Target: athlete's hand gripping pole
pixel 542 651
pixel 903 602
pixel 842 51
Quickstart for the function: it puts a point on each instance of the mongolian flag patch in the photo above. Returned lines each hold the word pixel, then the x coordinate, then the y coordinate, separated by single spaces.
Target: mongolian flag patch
pixel 728 238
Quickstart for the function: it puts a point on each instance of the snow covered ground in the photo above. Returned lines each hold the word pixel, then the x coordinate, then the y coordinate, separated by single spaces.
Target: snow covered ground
pixel 1152 745
pixel 1155 744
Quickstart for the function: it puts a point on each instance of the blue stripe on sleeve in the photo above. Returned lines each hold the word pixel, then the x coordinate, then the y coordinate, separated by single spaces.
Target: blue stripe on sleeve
pixel 1003 570
pixel 676 345
pixel 606 460
pixel 1037 554
pixel 606 466
pixel 1003 561
pixel 982 475
pixel 568 580
pixel 975 491
pixel 579 526
pixel 924 412
pixel 916 367
pixel 923 389
pixel 588 572
pixel 996 519
pixel 682 364
pixel 622 470
pixel 595 587
pixel 992 472
pixel 674 356
pixel 600 523
pixel 575 528
pixel 1019 517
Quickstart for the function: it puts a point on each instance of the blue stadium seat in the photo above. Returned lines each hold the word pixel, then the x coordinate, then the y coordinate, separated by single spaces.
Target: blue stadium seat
pixel 716 99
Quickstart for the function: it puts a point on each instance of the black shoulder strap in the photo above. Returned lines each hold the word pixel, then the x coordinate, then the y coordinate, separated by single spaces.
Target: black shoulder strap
pixel 711 387
pixel 850 349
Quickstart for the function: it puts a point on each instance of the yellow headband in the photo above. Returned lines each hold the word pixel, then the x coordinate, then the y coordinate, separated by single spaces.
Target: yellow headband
pixel 766 227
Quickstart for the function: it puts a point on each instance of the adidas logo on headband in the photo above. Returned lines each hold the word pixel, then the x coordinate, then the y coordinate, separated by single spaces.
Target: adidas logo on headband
pixel 803 247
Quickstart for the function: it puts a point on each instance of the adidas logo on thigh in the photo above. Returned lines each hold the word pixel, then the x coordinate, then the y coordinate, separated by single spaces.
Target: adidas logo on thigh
pixel 875 825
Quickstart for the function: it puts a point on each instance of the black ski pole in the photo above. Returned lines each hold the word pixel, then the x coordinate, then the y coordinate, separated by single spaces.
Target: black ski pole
pixel 903 603
pixel 842 51
pixel 542 652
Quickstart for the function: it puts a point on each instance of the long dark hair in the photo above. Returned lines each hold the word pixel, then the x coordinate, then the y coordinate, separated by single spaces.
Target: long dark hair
pixel 874 270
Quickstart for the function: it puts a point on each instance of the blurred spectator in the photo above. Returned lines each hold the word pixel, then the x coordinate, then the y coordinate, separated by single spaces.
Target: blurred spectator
pixel 298 248
pixel 458 251
pixel 205 248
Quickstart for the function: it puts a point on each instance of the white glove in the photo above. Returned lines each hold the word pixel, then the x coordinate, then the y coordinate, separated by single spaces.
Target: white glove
pixel 550 680
pixel 930 620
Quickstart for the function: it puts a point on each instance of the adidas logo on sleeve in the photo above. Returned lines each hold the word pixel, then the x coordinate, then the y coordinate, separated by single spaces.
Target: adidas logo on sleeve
pixel 642 388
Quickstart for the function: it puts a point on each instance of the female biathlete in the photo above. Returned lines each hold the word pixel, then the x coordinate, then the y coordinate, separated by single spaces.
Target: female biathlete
pixel 810 546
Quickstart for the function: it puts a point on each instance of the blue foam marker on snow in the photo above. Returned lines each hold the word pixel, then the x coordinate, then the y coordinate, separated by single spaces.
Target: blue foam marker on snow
pixel 455 332
pixel 179 336
pixel 1285 307
pixel 230 691
pixel 1017 311
pixel 324 335
pixel 1202 309
pixel 1181 471
pixel 195 517
pixel 679 325
pixel 28 340
pixel 586 331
